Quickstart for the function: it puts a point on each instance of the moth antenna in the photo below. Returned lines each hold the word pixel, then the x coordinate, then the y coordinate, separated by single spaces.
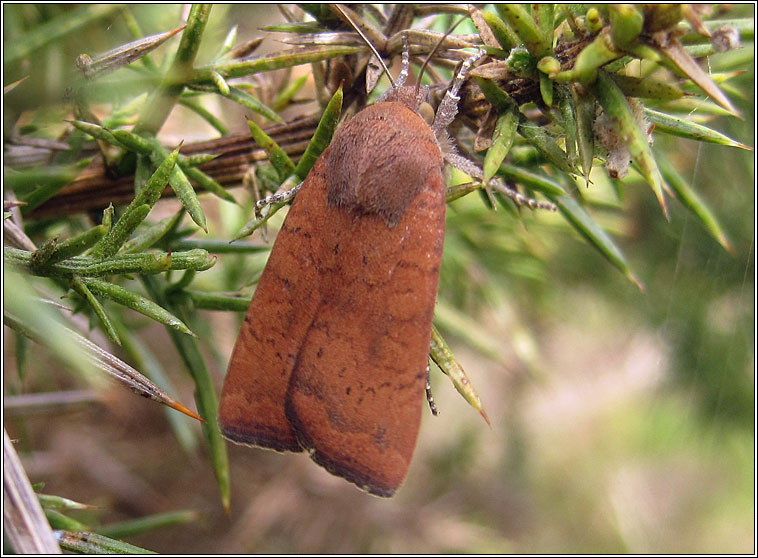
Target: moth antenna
pixel 405 68
pixel 433 52
pixel 404 71
pixel 473 170
pixel 368 43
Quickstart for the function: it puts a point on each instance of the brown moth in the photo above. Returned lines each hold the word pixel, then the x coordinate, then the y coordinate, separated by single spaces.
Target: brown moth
pixel 332 355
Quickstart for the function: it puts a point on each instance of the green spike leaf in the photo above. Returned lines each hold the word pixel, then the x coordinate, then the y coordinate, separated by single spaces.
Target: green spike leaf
pixel 279 159
pixel 148 196
pixel 78 244
pixel 247 100
pixel 668 124
pixel 440 353
pixel 220 82
pixel 303 55
pixel 502 140
pixel 221 302
pixel 546 89
pixel 143 359
pixel 187 195
pixel 569 126
pixel 204 113
pixel 152 235
pixel 205 394
pixel 132 527
pixel 284 97
pixel 584 105
pixel 526 28
pixel 50 502
pixel 503 32
pixel 695 203
pixel 48 181
pixel 323 135
pixel 533 180
pixel 584 224
pixel 647 88
pixel 78 285
pixel 82 542
pixel 675 52
pixel 137 303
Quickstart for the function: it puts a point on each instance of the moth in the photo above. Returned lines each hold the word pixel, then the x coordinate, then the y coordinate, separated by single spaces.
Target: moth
pixel 332 355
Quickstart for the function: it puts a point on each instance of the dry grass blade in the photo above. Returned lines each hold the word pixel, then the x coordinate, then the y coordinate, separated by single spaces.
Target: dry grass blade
pixel 16 237
pixel 423 41
pixel 674 50
pixel 370 33
pixel 488 37
pixel 128 376
pixel 108 363
pixel 324 38
pixel 344 13
pixel 11 86
pixel 122 55
pixel 9 204
pixel 24 521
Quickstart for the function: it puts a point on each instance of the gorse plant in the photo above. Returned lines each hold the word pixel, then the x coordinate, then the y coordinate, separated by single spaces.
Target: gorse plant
pixel 568 108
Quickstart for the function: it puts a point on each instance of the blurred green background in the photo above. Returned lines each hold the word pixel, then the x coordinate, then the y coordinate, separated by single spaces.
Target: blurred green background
pixel 622 420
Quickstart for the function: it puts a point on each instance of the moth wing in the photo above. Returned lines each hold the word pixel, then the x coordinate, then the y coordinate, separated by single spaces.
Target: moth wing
pixel 356 392
pixel 251 410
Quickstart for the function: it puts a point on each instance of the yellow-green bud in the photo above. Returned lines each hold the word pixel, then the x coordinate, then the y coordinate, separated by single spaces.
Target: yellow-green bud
pixel 593 21
pixel 626 24
pixel 549 65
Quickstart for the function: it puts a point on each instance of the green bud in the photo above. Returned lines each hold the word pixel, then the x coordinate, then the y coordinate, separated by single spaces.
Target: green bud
pixel 593 21
pixel 549 65
pixel 626 24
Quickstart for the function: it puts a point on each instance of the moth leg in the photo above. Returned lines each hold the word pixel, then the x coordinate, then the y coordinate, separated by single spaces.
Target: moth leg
pixel 429 397
pixel 463 164
pixel 519 198
pixel 472 169
pixel 280 197
pixel 446 113
pixel 251 182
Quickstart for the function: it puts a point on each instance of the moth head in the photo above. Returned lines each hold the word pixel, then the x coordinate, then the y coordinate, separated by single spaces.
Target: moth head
pixel 416 99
